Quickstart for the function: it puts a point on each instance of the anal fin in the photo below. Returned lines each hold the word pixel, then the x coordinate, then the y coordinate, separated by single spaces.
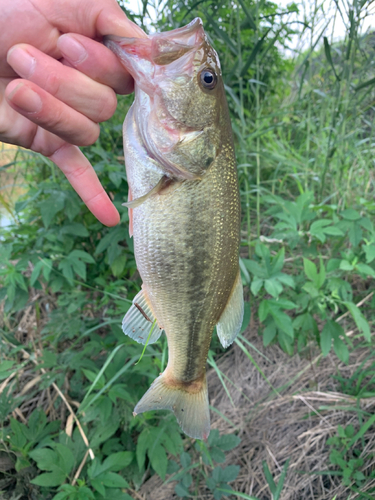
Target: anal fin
pixel 138 321
pixel 230 322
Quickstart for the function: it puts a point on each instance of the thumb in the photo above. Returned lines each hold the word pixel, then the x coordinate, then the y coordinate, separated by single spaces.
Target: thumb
pixel 114 22
pixel 93 19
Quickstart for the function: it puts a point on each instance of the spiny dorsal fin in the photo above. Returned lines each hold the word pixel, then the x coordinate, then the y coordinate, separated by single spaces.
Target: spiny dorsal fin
pixel 138 320
pixel 230 322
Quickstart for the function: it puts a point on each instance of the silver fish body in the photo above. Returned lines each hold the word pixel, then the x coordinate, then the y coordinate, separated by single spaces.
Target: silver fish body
pixel 185 213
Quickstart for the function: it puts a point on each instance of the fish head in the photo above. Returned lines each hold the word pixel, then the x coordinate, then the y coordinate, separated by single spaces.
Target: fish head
pixel 180 98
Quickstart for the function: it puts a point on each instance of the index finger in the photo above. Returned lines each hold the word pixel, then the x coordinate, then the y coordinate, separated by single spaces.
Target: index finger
pixel 85 182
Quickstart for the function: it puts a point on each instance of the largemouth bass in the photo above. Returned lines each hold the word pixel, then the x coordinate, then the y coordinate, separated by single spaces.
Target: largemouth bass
pixel 184 213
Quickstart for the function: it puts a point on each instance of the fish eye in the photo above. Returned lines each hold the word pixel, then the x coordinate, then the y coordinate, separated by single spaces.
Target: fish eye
pixel 208 78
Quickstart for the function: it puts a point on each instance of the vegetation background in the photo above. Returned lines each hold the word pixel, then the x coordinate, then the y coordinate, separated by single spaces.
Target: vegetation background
pixel 304 130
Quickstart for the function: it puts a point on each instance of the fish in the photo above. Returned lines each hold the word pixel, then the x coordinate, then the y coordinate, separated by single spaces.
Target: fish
pixel 184 213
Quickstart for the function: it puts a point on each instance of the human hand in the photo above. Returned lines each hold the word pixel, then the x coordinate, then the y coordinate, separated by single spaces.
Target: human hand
pixel 68 84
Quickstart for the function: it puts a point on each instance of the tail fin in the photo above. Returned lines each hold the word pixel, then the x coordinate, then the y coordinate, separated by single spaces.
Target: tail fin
pixel 190 407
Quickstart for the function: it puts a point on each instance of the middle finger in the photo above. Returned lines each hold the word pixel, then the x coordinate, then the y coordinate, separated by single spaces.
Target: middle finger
pixel 92 99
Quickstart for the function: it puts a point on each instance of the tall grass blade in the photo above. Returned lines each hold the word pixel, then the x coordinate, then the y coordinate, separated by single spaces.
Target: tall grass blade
pixel 212 362
pixel 108 384
pixel 102 370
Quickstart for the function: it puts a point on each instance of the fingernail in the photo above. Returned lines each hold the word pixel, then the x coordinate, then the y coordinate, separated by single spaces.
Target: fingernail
pixel 21 61
pixel 71 49
pixel 26 99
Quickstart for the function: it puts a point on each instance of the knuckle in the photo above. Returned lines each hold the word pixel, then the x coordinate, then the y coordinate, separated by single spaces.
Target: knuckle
pixel 108 108
pixel 89 137
pixel 52 84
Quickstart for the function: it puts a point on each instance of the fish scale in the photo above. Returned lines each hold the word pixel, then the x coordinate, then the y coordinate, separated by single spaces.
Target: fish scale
pixel 185 213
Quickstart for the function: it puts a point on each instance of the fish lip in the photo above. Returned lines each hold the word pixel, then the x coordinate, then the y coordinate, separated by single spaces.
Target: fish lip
pixel 181 41
pixel 195 24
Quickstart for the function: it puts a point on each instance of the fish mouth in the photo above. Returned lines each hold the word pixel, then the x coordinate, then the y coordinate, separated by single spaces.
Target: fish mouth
pixel 159 48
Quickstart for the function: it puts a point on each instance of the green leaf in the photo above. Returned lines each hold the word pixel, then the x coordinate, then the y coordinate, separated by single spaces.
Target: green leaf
pixel 256 285
pixel 282 303
pixel 311 289
pixel 341 350
pixel 158 459
pixel 113 480
pixel 230 473
pixel 181 491
pixel 50 207
pixel 91 376
pixel 228 441
pixel 67 460
pixel 269 334
pixel 346 266
pixel 350 214
pixel 286 343
pixel 118 461
pixel 75 229
pixel 217 455
pixel 36 272
pixel 118 265
pixel 256 269
pixel 326 338
pixel 333 231
pixel 282 321
pixel 366 270
pixel 273 287
pixel 185 459
pixel 359 319
pixel 246 317
pixel 81 255
pixel 278 261
pixel 99 486
pixel 113 236
pixel 285 279
pixel 44 457
pixel 370 252
pixel 143 443
pixel 263 310
pixel 310 270
pixel 50 479
pixel 355 234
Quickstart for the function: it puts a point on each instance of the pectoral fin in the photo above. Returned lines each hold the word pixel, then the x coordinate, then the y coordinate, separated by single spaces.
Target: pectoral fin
pixel 164 181
pixel 138 320
pixel 230 322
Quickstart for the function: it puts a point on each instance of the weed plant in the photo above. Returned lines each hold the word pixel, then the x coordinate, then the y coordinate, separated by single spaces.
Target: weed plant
pixel 303 129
